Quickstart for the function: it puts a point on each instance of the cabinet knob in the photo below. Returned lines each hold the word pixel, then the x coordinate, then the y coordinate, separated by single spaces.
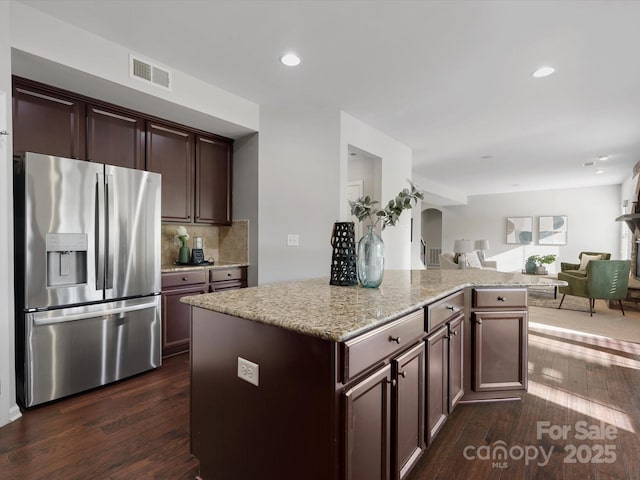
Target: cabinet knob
pixel 392 382
pixel 450 307
pixel 395 339
pixel 403 374
pixel 454 333
pixel 184 279
pixel 479 322
pixel 228 274
pixel 502 299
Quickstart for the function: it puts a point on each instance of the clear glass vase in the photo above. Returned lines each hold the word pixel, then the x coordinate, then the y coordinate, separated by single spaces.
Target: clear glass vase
pixel 370 259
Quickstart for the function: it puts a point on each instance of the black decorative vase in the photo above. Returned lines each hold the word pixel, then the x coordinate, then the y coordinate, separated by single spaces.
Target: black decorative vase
pixel 343 260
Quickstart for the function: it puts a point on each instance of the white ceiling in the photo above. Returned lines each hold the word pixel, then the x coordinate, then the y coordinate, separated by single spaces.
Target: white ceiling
pixel 450 79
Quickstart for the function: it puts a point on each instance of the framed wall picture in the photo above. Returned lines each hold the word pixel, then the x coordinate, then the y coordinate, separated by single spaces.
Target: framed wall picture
pixel 553 230
pixel 519 230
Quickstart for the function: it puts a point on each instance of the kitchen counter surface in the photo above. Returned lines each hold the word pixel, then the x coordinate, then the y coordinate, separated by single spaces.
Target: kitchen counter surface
pixel 313 307
pixel 186 268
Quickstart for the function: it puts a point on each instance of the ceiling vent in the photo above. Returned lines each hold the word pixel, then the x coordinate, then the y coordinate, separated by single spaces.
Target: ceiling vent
pixel 148 72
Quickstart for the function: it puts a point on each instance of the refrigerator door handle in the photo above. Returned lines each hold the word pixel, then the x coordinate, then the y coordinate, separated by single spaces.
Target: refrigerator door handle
pixel 111 230
pixel 100 226
pixel 45 318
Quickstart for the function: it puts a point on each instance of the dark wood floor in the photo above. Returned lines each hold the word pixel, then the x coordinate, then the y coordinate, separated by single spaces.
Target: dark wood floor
pixel 138 428
pixel 572 378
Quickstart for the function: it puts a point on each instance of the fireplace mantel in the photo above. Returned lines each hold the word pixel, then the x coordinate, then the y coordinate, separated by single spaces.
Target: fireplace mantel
pixel 631 219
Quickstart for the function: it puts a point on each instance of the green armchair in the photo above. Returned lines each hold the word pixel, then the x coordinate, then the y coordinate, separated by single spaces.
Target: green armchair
pixel 565 266
pixel 602 279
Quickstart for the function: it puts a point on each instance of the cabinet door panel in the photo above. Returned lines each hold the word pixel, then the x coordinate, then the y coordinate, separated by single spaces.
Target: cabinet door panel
pixel 437 381
pixel 170 152
pixel 213 181
pixel 456 362
pixel 176 319
pixel 500 351
pixel 409 411
pixel 48 123
pixel 115 138
pixel 367 442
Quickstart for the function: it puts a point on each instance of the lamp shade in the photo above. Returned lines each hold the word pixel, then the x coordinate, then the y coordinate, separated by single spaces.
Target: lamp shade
pixel 482 245
pixel 463 246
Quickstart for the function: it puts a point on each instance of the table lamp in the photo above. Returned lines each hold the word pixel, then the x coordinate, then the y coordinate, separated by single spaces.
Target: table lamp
pixel 481 246
pixel 463 247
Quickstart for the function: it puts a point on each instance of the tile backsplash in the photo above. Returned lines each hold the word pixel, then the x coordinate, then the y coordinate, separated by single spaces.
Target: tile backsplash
pixel 220 243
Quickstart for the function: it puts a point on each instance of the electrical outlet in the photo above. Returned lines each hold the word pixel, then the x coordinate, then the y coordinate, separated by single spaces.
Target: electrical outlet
pixel 293 240
pixel 248 371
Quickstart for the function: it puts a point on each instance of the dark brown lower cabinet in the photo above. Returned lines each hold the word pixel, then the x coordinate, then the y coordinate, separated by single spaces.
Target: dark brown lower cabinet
pixel 368 427
pixel 437 381
pixel 385 419
pixel 408 410
pixel 456 361
pixel 227 279
pixel 176 316
pixel 499 351
pixel 176 319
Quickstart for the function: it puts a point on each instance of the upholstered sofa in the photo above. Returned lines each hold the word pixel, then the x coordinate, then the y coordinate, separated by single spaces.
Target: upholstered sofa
pixel 448 262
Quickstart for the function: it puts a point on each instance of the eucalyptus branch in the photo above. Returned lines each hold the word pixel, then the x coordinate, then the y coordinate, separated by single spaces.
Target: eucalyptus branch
pixel 364 208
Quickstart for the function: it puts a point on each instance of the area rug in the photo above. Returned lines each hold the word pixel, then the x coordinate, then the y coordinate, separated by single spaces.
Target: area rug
pixel 573 318
pixel 543 297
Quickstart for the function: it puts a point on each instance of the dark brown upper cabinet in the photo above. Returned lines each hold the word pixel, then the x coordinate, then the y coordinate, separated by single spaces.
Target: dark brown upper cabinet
pixel 170 152
pixel 46 121
pixel 213 181
pixel 196 166
pixel 115 137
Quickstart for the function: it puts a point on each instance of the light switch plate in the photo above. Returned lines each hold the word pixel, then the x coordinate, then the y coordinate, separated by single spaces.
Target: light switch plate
pixel 293 240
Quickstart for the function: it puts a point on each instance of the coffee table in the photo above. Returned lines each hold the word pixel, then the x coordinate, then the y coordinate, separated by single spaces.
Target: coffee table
pixel 552 276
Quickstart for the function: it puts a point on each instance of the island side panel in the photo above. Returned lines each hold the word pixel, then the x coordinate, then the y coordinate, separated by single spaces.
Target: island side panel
pixel 287 426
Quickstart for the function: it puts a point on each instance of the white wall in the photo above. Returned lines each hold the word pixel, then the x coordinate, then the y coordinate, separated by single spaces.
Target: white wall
pixel 396 170
pixel 8 408
pixel 245 195
pixel 298 191
pixel 46 37
pixel 592 226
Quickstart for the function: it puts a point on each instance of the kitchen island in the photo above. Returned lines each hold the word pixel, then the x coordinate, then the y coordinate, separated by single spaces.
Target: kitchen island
pixel 308 380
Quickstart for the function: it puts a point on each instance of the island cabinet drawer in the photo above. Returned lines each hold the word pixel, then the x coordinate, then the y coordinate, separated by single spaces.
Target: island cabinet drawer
pixel 499 297
pixel 444 310
pixel 366 350
pixel 180 279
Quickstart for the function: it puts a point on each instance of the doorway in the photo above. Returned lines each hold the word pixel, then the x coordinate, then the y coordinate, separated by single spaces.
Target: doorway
pixel 432 236
pixel 364 177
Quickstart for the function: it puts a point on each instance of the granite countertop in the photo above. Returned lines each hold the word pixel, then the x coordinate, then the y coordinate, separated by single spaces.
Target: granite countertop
pixel 185 268
pixel 313 307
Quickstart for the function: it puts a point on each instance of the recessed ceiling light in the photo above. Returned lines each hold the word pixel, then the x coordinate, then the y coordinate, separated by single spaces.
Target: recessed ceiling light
pixel 486 157
pixel 603 158
pixel 543 72
pixel 589 163
pixel 599 171
pixel 290 60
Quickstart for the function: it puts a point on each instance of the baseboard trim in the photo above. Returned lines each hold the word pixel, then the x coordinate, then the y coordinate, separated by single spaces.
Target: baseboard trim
pixel 14 413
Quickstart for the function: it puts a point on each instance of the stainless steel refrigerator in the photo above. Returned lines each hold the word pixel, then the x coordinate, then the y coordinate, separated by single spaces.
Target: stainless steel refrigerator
pixel 87 270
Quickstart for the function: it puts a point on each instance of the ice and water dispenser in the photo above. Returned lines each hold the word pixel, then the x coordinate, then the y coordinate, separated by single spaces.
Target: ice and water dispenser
pixel 66 259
